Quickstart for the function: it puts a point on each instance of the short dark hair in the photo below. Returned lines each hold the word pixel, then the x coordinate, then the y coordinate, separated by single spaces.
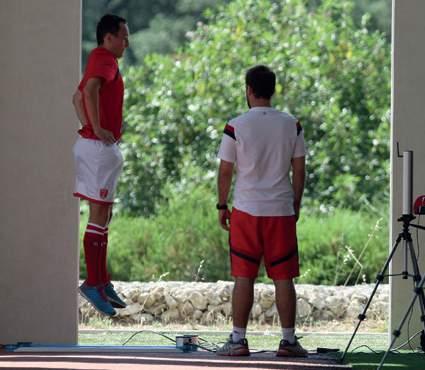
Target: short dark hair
pixel 109 23
pixel 262 81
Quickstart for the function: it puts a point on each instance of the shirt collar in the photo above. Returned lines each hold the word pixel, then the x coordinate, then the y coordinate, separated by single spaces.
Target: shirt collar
pixel 255 109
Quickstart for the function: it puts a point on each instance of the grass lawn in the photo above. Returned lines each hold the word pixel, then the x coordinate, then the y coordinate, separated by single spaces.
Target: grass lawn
pixel 261 340
pixel 359 357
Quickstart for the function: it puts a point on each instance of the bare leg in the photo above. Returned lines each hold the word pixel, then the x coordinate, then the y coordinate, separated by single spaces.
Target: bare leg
pixel 242 300
pixel 286 302
pixel 99 213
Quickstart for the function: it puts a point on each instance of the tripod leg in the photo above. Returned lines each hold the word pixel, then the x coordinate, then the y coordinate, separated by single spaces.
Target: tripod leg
pixel 415 265
pixel 405 272
pixel 418 288
pixel 379 279
pixel 417 279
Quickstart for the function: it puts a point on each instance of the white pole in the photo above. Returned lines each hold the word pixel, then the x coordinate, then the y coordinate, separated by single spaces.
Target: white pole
pixel 407 182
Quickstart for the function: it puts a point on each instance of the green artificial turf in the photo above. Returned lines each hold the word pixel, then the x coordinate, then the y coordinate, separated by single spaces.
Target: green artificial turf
pixel 403 360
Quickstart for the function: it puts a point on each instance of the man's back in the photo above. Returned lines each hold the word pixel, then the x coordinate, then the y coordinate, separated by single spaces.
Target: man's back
pixel 262 143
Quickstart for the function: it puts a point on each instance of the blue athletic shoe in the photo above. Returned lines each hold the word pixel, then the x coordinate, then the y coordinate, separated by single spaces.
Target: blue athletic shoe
pixel 98 299
pixel 113 297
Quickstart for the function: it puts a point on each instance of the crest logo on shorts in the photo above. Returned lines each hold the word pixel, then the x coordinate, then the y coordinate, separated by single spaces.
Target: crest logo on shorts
pixel 103 193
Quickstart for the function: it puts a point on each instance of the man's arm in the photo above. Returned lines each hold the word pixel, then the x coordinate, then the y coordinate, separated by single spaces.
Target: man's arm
pixel 224 182
pixel 91 96
pixel 298 179
pixel 77 101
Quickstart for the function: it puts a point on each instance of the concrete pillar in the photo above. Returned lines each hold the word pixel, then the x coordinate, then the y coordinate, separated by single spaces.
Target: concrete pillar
pixel 40 68
pixel 408 128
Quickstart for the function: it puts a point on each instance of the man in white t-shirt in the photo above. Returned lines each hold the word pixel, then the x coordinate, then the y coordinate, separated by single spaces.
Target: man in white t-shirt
pixel 264 145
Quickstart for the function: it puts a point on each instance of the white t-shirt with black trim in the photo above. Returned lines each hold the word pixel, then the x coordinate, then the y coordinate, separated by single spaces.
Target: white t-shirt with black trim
pixel 261 143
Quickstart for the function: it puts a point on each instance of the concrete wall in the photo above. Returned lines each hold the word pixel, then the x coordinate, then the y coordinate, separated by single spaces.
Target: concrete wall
pixel 40 66
pixel 408 128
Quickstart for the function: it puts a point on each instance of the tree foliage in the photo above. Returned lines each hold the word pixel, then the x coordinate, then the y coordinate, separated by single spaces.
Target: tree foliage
pixel 332 74
pixel 379 12
pixel 161 25
pixel 155 25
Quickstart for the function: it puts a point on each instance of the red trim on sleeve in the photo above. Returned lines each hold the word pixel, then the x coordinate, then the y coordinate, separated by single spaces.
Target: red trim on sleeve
pixel 230 128
pixel 230 131
pixel 299 128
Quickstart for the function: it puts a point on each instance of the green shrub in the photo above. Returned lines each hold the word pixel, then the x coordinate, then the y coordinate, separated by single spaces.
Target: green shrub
pixel 183 241
pixel 343 241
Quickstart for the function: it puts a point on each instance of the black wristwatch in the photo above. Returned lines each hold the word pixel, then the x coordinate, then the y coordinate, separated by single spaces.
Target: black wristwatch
pixel 221 206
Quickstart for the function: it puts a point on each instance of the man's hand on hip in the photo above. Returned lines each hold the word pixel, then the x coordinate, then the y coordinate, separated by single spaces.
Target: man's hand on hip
pixel 106 136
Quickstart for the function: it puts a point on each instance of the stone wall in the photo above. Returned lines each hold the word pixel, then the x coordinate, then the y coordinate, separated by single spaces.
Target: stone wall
pixel 210 303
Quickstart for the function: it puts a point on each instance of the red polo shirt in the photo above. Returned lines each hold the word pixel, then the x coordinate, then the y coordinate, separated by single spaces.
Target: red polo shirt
pixel 103 64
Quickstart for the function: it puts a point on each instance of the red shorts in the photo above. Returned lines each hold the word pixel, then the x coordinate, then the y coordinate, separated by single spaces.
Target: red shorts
pixel 271 237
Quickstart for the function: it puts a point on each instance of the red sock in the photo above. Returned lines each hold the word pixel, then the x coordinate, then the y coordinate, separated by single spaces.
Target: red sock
pixel 104 276
pixel 93 239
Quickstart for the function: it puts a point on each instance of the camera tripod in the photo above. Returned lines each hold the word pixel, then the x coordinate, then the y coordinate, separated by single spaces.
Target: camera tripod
pixel 405 238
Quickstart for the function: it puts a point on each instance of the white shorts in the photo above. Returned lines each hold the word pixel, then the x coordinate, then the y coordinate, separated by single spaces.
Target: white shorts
pixel 98 167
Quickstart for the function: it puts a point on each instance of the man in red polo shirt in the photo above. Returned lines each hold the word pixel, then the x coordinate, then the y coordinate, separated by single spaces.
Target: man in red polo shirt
pixel 264 145
pixel 98 103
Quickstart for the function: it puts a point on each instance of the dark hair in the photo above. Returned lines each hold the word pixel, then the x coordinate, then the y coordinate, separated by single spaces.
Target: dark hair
pixel 109 23
pixel 262 81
